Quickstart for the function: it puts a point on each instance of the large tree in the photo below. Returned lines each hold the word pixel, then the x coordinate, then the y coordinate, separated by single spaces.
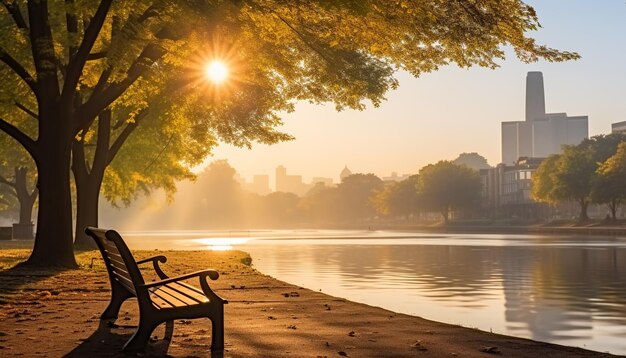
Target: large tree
pixel 446 187
pixel 610 185
pixel 398 198
pixel 572 175
pixel 75 59
pixel 544 181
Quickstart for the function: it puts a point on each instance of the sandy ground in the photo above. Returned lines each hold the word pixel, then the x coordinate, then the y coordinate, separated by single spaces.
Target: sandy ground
pixel 56 313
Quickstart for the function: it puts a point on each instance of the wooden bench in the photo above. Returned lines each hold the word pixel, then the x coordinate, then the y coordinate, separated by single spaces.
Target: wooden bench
pixel 161 301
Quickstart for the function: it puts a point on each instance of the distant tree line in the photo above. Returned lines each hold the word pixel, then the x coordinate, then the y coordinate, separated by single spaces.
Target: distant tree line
pixel 217 200
pixel 593 171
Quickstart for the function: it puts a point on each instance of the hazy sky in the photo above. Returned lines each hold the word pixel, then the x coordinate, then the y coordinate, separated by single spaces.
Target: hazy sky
pixel 442 114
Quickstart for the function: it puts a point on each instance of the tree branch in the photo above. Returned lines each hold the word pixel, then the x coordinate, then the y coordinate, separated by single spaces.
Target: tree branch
pixel 71 23
pixel 100 159
pixel 126 132
pixel 18 135
pixel 77 62
pixel 96 103
pixel 26 110
pixel 5 181
pixel 97 55
pixel 79 163
pixel 14 9
pixel 18 69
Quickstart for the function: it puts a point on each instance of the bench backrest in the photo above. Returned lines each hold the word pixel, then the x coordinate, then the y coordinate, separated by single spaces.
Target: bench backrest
pixel 119 261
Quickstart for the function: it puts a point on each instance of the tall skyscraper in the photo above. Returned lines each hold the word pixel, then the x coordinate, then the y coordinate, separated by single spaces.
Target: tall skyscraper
pixel 541 134
pixel 535 99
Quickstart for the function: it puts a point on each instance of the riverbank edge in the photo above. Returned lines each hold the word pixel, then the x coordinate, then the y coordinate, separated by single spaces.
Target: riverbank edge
pixel 293 319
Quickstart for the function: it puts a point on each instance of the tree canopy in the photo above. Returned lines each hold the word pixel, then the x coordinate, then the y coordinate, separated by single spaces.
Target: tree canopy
pixel 66 62
pixel 446 187
pixel 575 175
pixel 399 198
pixel 610 184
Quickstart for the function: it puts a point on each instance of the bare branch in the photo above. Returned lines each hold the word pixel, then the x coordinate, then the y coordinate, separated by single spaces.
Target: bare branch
pixel 26 110
pixel 18 69
pixel 18 135
pixel 100 159
pixel 77 62
pixel 96 56
pixel 99 101
pixel 126 132
pixel 14 9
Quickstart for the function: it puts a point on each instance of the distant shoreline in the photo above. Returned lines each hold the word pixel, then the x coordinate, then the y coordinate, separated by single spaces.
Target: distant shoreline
pixel 479 229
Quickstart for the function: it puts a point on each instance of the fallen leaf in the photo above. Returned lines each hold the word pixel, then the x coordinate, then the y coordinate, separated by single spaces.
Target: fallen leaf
pixel 492 350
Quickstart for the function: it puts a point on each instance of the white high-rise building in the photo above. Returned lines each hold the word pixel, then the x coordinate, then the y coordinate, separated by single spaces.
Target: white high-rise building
pixel 541 134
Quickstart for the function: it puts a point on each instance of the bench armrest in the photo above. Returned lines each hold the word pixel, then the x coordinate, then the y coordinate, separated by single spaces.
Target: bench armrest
pixel 212 274
pixel 155 263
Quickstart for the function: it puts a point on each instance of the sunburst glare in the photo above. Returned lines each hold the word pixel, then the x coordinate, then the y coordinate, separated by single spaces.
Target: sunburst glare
pixel 216 71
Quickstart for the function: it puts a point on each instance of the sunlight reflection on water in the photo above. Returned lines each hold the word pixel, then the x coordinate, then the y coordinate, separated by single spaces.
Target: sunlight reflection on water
pixel 221 243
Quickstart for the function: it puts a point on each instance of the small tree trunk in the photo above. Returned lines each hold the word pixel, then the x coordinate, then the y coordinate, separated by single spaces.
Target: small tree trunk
pixel 24 196
pixel 87 195
pixel 613 207
pixel 583 211
pixel 445 213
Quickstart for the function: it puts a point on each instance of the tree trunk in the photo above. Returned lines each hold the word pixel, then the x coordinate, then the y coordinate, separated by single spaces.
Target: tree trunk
pixel 53 241
pixel 88 179
pixel 613 207
pixel 87 195
pixel 24 196
pixel 583 211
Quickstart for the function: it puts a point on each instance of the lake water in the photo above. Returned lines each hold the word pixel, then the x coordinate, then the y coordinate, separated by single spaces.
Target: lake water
pixel 559 289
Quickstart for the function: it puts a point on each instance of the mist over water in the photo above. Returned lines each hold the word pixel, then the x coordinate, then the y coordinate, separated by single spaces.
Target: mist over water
pixel 566 290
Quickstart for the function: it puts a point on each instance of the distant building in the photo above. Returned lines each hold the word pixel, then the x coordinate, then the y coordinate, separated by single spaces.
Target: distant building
pixel 345 173
pixel 395 177
pixel 619 127
pixel 541 134
pixel 506 190
pixel 290 183
pixel 260 185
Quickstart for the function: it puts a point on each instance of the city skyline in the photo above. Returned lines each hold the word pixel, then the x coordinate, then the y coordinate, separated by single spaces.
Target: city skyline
pixel 451 111
pixel 541 134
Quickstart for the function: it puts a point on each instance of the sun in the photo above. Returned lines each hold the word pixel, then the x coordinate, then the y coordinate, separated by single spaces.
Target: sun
pixel 216 71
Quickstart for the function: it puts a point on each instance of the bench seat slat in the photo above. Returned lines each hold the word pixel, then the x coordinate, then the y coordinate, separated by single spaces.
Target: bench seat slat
pixel 190 287
pixel 184 295
pixel 176 297
pixel 161 301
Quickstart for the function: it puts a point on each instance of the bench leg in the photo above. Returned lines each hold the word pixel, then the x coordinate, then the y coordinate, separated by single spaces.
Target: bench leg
pixel 118 296
pixel 169 330
pixel 139 340
pixel 217 335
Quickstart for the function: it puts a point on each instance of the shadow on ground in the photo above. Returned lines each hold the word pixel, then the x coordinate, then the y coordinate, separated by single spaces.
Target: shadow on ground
pixel 109 339
pixel 17 283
